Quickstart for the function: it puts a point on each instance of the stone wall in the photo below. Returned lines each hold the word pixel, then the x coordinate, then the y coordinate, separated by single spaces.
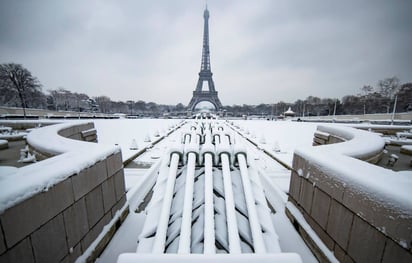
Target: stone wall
pixel 59 223
pixel 353 219
pixel 323 136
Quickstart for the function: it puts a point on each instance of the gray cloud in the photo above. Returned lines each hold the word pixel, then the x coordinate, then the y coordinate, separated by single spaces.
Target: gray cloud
pixel 261 51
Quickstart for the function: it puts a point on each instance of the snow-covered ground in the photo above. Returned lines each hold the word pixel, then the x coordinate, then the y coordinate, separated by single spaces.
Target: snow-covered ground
pixel 123 131
pixel 124 242
pixel 281 138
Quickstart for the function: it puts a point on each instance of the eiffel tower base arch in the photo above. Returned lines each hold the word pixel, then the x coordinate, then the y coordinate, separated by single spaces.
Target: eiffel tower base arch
pixel 209 96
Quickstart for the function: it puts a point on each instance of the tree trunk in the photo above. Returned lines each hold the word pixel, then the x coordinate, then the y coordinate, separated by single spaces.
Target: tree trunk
pixel 23 103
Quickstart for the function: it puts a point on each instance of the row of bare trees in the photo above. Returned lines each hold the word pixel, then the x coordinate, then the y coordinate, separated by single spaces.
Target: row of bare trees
pixel 18 87
pixel 379 99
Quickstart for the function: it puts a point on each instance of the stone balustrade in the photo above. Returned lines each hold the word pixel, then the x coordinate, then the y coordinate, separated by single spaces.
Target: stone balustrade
pixel 53 210
pixel 361 212
pixel 331 135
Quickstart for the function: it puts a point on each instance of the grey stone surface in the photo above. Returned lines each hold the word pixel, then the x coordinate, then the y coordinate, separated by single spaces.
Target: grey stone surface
pixel 319 141
pixel 88 179
pixel 95 231
pixel 92 138
pixel 381 216
pixel 66 132
pixel 395 253
pixel 76 223
pixel 21 220
pixel 327 240
pixel 325 136
pixel 71 257
pixel 22 252
pixel 339 223
pixel 2 243
pixel 335 139
pixel 49 242
pixel 119 184
pixel 118 205
pixel 339 253
pixel 114 163
pixel 329 183
pixel 320 207
pixel 94 206
pixel 306 194
pixel 294 186
pixel 87 133
pixel 76 136
pixel 366 244
pixel 109 195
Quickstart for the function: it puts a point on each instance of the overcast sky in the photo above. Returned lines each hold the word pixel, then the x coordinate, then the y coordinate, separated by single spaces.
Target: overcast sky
pixel 262 51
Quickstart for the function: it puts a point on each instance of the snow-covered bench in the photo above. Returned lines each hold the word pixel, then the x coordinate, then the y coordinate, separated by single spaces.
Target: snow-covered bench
pixel 361 212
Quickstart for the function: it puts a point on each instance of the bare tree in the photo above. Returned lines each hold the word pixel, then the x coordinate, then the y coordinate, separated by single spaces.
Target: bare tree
pixel 366 90
pixel 389 87
pixel 15 76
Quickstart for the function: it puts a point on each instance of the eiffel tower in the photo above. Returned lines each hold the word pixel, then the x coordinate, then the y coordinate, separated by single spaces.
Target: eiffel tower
pixel 205 74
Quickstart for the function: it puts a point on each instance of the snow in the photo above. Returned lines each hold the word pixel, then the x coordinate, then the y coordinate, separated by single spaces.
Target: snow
pixel 302 222
pixel 13 136
pixel 407 147
pixel 151 229
pixel 32 179
pixel 218 258
pixel 399 141
pixel 376 182
pixel 285 136
pixel 86 254
pixel 123 241
pixel 282 137
pixel 358 144
pixel 122 131
pixel 6 171
pixel 3 142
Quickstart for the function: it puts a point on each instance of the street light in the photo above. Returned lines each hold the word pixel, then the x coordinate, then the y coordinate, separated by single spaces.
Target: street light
pixel 394 109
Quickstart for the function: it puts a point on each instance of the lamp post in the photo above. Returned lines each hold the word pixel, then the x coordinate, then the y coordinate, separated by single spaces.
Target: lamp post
pixel 394 109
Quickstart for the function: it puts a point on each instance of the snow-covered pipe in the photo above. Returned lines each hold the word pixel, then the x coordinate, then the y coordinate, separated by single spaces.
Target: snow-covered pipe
pixel 233 233
pixel 271 238
pixel 209 228
pixel 239 149
pixel 186 227
pixel 192 147
pixel 216 138
pixel 160 239
pixel 223 148
pixel 187 137
pixel 256 230
pixel 176 148
pixel 208 147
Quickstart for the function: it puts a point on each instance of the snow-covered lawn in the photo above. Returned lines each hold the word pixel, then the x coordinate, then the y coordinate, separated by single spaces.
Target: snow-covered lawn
pixel 279 137
pixel 123 131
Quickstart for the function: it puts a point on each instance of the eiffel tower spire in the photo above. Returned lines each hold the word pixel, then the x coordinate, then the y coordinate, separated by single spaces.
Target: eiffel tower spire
pixel 205 74
pixel 205 66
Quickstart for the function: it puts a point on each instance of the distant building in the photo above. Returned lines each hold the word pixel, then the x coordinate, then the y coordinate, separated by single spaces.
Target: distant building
pixel 289 113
